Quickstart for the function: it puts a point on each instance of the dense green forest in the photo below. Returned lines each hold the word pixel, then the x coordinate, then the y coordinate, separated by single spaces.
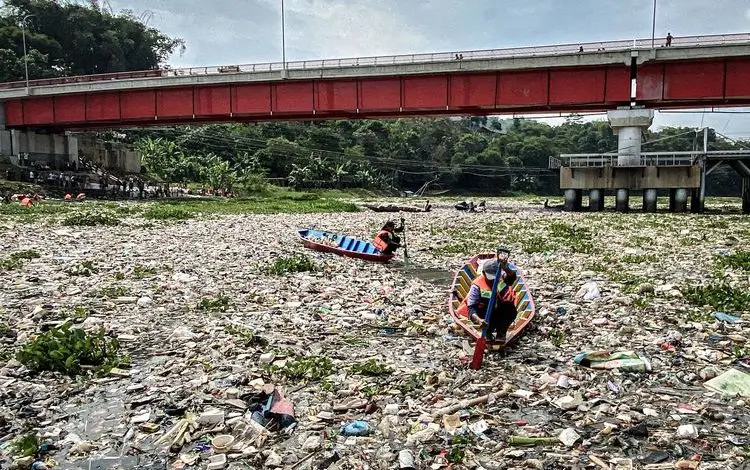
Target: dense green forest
pixel 475 154
pixel 483 155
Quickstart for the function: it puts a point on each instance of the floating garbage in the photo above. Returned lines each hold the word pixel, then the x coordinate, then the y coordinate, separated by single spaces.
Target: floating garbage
pixel 234 350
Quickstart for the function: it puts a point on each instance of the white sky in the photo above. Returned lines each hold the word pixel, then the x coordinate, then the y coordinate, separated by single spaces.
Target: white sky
pixel 249 31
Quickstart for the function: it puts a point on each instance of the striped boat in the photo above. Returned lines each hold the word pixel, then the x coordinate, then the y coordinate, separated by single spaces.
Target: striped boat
pixel 460 289
pixel 343 245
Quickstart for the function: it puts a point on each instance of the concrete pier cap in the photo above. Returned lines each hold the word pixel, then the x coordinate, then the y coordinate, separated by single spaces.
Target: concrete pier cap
pixel 627 124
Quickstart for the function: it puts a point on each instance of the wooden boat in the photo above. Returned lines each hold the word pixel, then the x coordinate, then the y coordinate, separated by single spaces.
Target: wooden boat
pixel 343 245
pixel 460 289
pixel 395 208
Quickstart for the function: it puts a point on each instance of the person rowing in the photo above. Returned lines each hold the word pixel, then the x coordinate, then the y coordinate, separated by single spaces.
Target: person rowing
pixel 386 239
pixel 476 302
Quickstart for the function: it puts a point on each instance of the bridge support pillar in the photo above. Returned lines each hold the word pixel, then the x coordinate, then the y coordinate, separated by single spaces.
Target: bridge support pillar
pixel 678 200
pixel 696 202
pixel 596 200
pixel 622 200
pixel 746 195
pixel 649 200
pixel 573 200
pixel 628 124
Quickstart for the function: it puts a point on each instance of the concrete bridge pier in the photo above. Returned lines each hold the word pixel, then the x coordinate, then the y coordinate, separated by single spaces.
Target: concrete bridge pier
pixel 573 200
pixel 678 200
pixel 649 200
pixel 628 124
pixel 596 200
pixel 746 195
pixel 622 200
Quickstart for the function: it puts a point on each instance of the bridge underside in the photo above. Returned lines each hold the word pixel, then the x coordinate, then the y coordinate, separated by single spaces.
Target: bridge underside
pixel 687 84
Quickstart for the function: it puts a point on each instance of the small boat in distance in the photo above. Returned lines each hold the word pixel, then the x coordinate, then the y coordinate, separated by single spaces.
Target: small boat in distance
pixel 343 245
pixel 460 289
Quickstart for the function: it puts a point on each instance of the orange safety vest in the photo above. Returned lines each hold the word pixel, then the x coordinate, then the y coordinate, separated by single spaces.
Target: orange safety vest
pixel 379 243
pixel 504 293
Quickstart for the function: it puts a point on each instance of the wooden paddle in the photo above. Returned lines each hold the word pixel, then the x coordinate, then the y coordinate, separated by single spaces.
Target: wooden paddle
pixel 481 344
pixel 406 251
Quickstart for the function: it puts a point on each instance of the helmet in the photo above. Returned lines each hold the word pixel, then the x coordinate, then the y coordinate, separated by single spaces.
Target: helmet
pixel 490 269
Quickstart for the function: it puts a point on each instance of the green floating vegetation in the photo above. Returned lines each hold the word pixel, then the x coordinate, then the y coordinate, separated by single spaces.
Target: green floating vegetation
pixel 71 351
pixel 739 260
pixel 167 212
pixel 279 201
pixel 719 296
pixel 310 368
pixel 220 303
pixel 295 263
pixel 15 260
pixel 91 218
pixel 370 368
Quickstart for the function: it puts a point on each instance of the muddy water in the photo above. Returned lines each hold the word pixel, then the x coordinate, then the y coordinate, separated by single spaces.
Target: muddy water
pixel 434 276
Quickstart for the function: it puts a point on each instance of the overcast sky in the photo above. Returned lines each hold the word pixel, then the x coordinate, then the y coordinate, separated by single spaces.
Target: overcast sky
pixel 249 31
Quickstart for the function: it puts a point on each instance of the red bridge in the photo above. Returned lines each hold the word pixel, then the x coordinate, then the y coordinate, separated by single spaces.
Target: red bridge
pixel 694 72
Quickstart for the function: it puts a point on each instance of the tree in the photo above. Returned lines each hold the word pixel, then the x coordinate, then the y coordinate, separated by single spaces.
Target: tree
pixel 67 38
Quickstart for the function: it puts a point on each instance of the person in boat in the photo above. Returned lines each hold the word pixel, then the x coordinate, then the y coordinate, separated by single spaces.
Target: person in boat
pixel 476 302
pixel 386 241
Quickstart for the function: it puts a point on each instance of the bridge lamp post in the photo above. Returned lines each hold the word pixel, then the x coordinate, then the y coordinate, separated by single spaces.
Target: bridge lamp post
pixel 283 37
pixel 25 54
pixel 653 28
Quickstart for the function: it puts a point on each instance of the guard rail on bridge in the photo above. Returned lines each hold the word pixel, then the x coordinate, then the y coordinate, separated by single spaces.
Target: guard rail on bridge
pixel 598 160
pixel 404 59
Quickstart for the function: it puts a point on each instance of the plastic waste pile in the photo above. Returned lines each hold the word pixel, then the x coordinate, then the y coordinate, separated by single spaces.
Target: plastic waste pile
pixel 633 361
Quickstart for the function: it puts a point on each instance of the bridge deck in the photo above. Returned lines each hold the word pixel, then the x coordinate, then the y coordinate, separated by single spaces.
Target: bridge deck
pixel 594 53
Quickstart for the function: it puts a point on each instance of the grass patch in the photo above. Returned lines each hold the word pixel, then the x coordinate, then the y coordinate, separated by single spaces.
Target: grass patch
pixel 71 352
pixel 295 263
pixel 287 202
pixel 722 297
pixel 220 303
pixel 92 218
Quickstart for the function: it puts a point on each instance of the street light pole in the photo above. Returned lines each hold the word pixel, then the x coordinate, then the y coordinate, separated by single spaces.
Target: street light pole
pixel 25 54
pixel 653 28
pixel 283 37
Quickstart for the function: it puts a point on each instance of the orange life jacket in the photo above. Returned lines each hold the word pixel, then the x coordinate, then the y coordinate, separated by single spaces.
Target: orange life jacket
pixel 379 243
pixel 504 293
pixel 27 202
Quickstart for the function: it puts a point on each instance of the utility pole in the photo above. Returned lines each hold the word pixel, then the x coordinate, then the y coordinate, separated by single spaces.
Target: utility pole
pixel 25 54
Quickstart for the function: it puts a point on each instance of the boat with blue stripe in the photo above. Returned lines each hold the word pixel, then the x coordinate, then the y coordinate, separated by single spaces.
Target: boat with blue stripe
pixel 341 244
pixel 460 289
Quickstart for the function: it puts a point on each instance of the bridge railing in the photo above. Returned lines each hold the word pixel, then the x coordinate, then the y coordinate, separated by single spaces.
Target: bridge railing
pixel 679 158
pixel 403 59
pixel 598 160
